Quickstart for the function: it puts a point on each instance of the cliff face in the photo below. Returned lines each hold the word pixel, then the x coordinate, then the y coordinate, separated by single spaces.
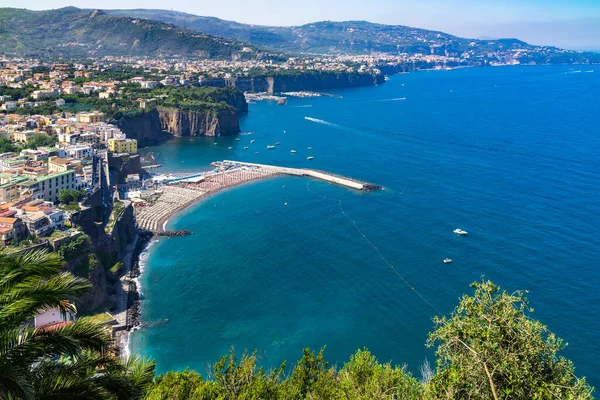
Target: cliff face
pixel 145 128
pixel 300 82
pixel 107 248
pixel 199 123
pixel 154 126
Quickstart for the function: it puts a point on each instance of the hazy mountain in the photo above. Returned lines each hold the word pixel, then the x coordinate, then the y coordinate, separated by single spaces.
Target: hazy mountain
pixel 353 37
pixel 75 32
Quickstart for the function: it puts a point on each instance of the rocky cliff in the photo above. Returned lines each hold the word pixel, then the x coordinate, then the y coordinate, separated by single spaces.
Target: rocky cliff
pixel 182 122
pixel 310 81
pixel 218 118
pixel 144 127
pixel 108 245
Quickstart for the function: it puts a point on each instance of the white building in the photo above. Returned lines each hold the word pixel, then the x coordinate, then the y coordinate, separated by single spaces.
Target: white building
pixel 52 317
pixel 9 105
pixel 79 151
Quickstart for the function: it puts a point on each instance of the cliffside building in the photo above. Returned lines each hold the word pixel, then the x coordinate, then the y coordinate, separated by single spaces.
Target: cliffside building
pixel 50 185
pixel 122 145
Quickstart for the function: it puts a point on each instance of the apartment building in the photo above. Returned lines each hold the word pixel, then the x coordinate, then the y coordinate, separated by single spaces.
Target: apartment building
pixel 51 185
pixel 122 145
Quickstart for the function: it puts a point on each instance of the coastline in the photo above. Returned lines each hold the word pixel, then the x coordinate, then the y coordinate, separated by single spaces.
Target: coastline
pixel 157 215
pixel 144 243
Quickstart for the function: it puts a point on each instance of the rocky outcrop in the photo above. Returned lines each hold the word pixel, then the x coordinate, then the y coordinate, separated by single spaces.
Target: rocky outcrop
pixel 199 123
pixel 217 119
pixel 144 127
pixel 108 246
pixel 121 165
pixel 313 81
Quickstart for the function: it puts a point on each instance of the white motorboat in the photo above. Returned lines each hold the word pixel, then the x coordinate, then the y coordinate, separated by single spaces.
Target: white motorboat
pixel 252 141
pixel 447 261
pixel 270 147
pixel 293 151
pixel 246 148
pixel 310 158
pixel 460 232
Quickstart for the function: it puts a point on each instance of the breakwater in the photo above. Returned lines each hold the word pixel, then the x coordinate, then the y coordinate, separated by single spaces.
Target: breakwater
pixel 179 193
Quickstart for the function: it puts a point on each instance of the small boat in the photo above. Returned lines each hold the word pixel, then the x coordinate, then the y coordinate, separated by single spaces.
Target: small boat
pixel 285 204
pixel 252 141
pixel 256 152
pixel 447 261
pixel 270 147
pixel 460 232
pixel 282 101
pixel 284 132
pixel 229 148
pixel 293 151
pixel 309 158
pixel 277 143
pixel 246 148
pixel 237 139
pixel 310 148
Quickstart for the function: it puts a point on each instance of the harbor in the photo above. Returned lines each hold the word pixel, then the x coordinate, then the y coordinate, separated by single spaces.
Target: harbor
pixel 172 193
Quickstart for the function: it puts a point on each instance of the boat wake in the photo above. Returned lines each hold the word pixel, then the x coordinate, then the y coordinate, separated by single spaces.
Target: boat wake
pixel 303 106
pixel 320 121
pixel 394 99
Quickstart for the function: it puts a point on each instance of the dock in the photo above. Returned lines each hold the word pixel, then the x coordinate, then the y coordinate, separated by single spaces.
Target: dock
pixel 178 191
pixel 321 175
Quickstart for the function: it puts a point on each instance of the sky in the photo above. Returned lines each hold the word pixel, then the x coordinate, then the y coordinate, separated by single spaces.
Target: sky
pixel 571 24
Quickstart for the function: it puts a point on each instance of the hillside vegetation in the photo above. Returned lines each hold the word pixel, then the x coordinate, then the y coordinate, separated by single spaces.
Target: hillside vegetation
pixel 358 37
pixel 72 32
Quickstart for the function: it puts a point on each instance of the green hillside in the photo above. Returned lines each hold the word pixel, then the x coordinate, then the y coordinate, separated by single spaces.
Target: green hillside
pixel 71 32
pixel 361 37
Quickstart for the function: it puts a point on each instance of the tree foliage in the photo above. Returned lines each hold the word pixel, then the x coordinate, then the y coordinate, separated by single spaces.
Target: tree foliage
pixel 489 347
pixel 71 361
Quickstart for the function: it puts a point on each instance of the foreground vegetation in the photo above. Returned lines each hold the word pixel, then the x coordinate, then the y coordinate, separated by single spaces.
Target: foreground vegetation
pixel 487 348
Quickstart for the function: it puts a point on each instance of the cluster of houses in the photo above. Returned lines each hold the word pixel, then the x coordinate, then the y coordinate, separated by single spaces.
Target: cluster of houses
pixel 31 180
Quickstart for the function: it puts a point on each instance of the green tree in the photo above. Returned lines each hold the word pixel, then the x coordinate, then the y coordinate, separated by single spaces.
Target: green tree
pixel 489 348
pixel 70 361
pixel 364 378
pixel 41 140
pixel 7 146
pixel 65 196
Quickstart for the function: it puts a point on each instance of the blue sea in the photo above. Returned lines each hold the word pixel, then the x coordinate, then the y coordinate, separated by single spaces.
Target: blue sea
pixel 511 155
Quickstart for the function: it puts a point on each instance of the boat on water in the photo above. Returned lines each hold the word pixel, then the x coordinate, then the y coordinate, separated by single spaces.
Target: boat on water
pixel 246 148
pixel 282 101
pixel 447 261
pixel 237 139
pixel 270 147
pixel 229 148
pixel 293 151
pixel 460 232
pixel 256 152
pixel 309 158
pixel 252 141
pixel 310 148
pixel 277 143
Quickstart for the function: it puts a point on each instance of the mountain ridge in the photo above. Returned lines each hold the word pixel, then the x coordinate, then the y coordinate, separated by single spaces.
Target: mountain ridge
pixel 73 32
pixel 351 37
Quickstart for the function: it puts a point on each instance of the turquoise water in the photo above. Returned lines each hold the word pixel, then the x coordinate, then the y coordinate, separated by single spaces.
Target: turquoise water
pixel 511 155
